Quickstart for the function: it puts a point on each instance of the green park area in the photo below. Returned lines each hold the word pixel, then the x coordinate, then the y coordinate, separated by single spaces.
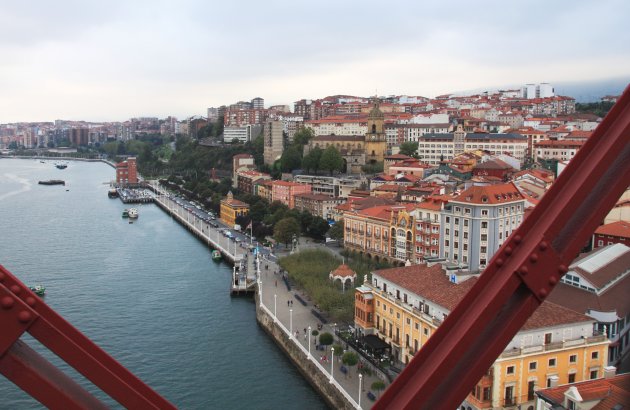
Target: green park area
pixel 309 270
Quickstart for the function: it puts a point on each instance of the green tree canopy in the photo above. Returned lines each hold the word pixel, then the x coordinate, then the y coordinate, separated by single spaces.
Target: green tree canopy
pixel 336 231
pixel 291 159
pixel 331 160
pixel 409 148
pixel 325 339
pixel 378 386
pixel 285 229
pixel 310 162
pixel 318 227
pixel 303 136
pixel 350 359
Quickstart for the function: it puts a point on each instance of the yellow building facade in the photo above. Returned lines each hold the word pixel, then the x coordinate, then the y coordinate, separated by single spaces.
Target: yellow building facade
pixel 231 209
pixel 556 346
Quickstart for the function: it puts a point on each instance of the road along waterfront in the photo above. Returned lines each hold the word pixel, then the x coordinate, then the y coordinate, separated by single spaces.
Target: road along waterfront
pixel 147 292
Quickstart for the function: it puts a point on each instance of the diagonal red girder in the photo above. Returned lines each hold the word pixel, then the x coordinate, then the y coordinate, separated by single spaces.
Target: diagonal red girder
pixel 521 274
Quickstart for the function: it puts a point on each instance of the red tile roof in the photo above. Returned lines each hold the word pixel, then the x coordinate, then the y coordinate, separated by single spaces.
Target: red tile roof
pixel 560 143
pixel 620 229
pixel 490 194
pixel 433 284
pixel 609 392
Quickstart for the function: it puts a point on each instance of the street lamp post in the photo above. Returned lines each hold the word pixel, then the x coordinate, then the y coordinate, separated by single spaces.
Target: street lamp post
pixel 291 322
pixel 309 342
pixel 360 380
pixel 275 303
pixel 332 363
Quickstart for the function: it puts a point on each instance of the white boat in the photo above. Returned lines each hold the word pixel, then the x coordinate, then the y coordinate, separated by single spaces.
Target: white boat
pixel 133 213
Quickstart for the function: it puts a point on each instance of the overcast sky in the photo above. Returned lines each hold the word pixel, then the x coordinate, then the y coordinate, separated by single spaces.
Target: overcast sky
pixel 116 59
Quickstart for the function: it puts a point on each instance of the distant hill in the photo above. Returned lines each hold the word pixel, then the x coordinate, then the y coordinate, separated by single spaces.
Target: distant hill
pixel 591 91
pixel 582 91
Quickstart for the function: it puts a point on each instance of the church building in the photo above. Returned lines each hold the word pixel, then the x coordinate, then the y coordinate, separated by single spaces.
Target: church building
pixel 358 150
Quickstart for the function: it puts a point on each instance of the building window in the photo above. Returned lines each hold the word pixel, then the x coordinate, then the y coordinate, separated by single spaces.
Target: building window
pixel 547 338
pixel 593 375
pixel 484 212
pixel 532 365
pixel 509 370
pixel 594 355
pixel 552 362
pixel 484 225
pixel 571 377
pixel 573 358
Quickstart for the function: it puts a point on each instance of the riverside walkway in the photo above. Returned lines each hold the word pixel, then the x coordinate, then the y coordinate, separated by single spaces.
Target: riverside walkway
pixel 294 317
pixel 244 273
pixel 283 304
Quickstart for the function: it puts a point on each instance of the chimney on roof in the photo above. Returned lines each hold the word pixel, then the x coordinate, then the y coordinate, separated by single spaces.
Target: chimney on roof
pixel 609 371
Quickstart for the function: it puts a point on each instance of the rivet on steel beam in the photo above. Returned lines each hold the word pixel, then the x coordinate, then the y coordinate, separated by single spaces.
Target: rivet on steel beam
pixel 31 301
pixel 508 250
pixel 517 239
pixel 533 258
pixel 523 270
pixel 543 246
pixel 542 293
pixel 553 280
pixel 499 262
pixel 24 316
pixel 563 269
pixel 7 302
pixel 15 289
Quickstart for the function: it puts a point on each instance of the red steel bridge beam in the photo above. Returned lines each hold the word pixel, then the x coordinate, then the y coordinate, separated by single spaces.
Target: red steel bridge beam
pixel 521 274
pixel 22 311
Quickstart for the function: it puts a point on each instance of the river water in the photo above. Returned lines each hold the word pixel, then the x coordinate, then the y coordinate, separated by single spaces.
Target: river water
pixel 147 292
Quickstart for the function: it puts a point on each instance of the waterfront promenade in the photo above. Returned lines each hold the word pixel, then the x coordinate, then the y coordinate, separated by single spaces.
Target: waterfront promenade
pixel 282 305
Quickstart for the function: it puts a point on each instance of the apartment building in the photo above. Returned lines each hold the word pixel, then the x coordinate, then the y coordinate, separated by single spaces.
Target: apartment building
pixel 285 192
pixel 407 304
pixel 475 224
pixel 319 205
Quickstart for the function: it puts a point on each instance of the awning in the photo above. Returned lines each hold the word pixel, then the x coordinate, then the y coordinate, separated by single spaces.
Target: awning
pixel 375 343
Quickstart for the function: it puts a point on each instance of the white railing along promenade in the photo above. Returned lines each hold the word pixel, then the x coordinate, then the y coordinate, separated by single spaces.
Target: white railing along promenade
pixel 293 339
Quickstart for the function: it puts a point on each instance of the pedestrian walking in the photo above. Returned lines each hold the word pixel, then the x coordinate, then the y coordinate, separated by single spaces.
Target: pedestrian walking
pixel 276 283
pixel 288 303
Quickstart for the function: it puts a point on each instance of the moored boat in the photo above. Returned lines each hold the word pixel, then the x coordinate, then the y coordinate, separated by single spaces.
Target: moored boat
pixel 39 290
pixel 216 255
pixel 133 213
pixel 61 165
pixel 125 213
pixel 52 182
pixel 112 193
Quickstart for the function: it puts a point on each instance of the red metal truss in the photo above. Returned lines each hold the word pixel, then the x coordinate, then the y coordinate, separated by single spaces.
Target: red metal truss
pixel 521 274
pixel 22 311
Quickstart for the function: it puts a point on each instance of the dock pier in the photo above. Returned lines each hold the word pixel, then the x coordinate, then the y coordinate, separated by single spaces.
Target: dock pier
pixel 244 268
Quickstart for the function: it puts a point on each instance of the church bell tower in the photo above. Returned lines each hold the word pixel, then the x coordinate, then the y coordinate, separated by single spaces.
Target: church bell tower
pixel 375 139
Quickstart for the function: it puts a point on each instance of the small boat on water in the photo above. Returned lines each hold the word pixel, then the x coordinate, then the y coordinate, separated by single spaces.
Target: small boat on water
pixel 216 255
pixel 112 193
pixel 52 182
pixel 61 165
pixel 133 213
pixel 39 290
pixel 125 213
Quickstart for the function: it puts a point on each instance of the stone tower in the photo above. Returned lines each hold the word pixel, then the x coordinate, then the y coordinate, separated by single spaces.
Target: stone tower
pixel 375 140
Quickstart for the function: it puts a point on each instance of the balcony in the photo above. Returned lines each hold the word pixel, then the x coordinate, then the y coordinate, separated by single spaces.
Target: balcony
pixel 509 401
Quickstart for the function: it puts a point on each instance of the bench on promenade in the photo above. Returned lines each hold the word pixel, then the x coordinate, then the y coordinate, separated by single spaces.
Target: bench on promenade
pixel 319 316
pixel 299 298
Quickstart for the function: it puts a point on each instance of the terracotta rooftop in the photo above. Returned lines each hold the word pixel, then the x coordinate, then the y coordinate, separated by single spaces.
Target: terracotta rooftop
pixel 432 284
pixel 620 229
pixel 611 393
pixel 344 271
pixel 493 164
pixel 490 194
pixel 316 197
pixel 560 143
